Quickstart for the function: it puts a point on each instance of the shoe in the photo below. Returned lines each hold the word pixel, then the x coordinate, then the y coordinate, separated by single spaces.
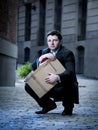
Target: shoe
pixel 67 112
pixel 46 109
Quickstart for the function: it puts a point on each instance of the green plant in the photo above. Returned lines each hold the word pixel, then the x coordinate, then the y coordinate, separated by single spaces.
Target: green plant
pixel 24 70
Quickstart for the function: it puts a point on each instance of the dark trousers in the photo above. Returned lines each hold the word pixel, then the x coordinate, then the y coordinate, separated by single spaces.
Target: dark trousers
pixel 46 100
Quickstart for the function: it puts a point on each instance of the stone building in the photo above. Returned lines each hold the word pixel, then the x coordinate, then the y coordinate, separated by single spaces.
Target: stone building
pixel 77 20
pixel 8 47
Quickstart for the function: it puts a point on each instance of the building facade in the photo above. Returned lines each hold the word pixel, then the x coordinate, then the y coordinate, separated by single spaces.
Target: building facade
pixel 8 38
pixel 77 20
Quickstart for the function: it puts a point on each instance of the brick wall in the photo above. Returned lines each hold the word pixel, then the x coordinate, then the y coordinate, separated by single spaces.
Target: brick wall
pixel 8 18
pixel 8 40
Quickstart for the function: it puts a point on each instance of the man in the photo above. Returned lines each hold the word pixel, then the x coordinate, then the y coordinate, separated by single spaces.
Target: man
pixel 67 88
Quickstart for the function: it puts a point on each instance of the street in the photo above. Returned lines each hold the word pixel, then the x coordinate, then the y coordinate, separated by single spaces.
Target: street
pixel 17 109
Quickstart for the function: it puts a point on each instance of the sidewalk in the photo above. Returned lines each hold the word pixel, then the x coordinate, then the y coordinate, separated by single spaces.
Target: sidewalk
pixel 17 110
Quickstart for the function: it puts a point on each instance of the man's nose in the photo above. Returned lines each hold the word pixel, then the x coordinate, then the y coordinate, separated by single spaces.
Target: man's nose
pixel 52 42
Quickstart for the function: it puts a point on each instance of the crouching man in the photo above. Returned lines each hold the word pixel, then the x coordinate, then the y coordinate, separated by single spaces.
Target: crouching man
pixel 67 88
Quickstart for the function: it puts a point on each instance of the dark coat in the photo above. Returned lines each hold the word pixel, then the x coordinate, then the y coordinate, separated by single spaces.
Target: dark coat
pixel 68 88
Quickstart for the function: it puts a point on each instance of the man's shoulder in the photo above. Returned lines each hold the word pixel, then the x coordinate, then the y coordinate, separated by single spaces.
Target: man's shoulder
pixel 45 50
pixel 65 50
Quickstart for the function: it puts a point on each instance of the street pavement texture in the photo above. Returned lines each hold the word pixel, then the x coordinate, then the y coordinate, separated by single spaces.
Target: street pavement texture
pixel 17 109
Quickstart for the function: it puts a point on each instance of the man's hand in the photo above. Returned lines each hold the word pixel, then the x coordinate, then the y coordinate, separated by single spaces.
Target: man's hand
pixel 47 56
pixel 51 78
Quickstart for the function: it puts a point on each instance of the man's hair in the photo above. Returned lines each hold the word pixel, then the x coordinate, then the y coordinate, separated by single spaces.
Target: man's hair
pixel 55 32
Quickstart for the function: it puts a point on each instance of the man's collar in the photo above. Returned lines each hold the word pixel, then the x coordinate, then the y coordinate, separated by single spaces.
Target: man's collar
pixel 54 52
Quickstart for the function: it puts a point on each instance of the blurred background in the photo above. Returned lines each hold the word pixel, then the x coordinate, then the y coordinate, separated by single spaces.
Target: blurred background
pixel 23 28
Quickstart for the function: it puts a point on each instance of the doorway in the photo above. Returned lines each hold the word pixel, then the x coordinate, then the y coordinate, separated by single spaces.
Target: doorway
pixel 80 52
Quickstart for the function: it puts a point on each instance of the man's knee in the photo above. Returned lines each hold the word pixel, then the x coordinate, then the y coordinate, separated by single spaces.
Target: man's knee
pixel 27 87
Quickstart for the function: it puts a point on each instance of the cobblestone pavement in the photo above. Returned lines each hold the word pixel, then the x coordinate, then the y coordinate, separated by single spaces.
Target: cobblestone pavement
pixel 17 110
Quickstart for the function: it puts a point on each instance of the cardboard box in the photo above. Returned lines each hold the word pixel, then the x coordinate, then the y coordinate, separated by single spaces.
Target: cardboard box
pixel 35 79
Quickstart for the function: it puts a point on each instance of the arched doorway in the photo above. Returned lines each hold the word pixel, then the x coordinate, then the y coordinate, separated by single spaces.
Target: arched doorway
pixel 80 52
pixel 26 54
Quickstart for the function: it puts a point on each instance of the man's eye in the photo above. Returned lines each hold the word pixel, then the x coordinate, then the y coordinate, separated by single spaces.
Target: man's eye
pixel 55 40
pixel 49 40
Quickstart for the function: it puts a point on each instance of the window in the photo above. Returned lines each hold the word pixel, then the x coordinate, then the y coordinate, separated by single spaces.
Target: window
pixel 41 32
pixel 26 54
pixel 82 12
pixel 28 22
pixel 58 11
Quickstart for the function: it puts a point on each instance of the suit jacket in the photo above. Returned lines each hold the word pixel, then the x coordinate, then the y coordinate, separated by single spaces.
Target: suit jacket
pixel 68 88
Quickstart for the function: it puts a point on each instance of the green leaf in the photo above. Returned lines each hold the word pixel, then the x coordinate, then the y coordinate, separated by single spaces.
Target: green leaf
pixel 24 70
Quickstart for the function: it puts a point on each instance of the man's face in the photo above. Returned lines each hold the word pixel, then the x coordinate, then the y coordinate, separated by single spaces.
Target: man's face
pixel 53 42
